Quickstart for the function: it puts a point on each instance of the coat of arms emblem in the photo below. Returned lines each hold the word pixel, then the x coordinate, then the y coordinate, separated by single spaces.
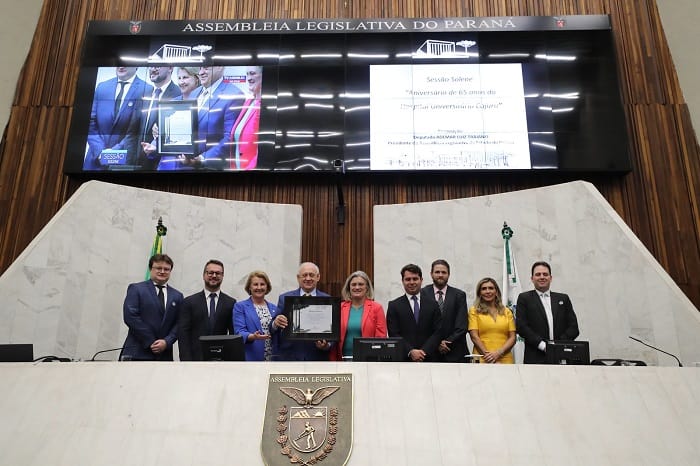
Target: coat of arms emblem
pixel 311 423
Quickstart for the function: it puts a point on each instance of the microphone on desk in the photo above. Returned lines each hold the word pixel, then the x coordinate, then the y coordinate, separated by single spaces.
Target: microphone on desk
pixel 122 348
pixel 657 349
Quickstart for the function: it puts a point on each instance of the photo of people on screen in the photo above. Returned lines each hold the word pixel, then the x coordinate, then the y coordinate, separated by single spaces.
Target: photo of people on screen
pixel 124 132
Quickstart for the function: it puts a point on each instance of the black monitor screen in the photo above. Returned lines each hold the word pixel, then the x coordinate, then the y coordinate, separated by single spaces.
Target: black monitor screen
pixel 17 352
pixel 378 350
pixel 222 348
pixel 568 352
pixel 381 99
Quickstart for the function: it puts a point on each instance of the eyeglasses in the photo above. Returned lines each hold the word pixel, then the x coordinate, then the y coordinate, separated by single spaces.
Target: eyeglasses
pixel 213 274
pixel 307 275
pixel 161 269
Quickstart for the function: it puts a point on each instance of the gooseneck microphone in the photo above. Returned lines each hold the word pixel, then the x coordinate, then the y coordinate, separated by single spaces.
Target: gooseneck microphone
pixel 107 351
pixel 657 349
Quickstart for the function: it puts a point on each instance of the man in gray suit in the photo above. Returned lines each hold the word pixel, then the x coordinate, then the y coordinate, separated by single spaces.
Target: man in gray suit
pixel 208 312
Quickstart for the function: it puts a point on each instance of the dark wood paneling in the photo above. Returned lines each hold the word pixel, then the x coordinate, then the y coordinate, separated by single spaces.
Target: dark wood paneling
pixel 659 200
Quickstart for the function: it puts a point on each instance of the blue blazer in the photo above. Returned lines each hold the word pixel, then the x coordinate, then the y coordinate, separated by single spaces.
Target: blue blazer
pixel 215 123
pixel 285 350
pixel 245 322
pixel 120 131
pixel 148 322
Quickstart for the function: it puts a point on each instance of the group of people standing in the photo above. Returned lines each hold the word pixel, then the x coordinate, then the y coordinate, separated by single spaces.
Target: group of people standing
pixel 432 321
pixel 124 117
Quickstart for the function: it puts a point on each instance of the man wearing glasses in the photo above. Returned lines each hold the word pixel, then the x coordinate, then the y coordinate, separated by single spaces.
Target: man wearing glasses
pixel 150 311
pixel 208 312
pixel 308 277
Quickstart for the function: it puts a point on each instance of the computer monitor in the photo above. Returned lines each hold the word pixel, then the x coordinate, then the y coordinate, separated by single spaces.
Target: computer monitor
pixel 378 350
pixel 568 352
pixel 222 348
pixel 18 352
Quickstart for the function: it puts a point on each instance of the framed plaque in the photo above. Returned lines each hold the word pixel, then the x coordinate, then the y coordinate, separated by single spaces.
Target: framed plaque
pixel 177 125
pixel 312 318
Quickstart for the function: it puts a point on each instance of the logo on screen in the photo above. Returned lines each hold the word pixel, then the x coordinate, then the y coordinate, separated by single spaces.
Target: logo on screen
pixel 134 27
pixel 432 48
pixel 560 22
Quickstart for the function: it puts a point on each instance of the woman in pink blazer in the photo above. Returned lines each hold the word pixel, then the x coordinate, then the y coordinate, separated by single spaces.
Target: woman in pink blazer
pixel 360 316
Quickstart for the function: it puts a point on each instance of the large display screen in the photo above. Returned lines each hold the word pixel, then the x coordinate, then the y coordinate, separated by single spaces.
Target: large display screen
pixel 342 100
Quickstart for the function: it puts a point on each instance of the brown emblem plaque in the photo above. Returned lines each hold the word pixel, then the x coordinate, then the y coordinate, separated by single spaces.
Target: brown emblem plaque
pixel 308 420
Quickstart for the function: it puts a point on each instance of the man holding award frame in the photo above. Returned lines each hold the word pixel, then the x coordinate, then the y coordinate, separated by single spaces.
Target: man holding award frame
pixel 297 343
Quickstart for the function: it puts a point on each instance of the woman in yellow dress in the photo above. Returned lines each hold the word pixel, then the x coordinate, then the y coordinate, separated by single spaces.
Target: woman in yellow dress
pixel 491 324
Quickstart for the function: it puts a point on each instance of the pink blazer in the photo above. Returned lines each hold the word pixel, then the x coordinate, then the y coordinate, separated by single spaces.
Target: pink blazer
pixel 373 324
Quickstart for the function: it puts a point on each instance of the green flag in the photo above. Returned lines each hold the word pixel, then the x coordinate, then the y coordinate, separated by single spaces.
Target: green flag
pixel 157 248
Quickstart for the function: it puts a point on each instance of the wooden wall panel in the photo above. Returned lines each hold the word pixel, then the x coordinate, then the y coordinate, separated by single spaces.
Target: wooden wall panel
pixel 659 200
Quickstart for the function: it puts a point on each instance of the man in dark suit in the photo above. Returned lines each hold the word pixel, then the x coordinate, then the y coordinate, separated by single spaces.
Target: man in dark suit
pixel 452 303
pixel 543 315
pixel 115 117
pixel 219 104
pixel 283 349
pixel 150 311
pixel 415 320
pixel 208 312
pixel 164 89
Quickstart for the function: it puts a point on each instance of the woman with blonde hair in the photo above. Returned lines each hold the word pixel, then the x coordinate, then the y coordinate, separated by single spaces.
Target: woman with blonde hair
pixel 360 315
pixel 252 317
pixel 491 324
pixel 188 80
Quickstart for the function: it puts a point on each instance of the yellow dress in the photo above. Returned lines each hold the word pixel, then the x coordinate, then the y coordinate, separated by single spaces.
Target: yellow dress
pixel 493 333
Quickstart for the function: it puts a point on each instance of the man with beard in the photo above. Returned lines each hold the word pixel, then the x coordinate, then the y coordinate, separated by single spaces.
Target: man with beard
pixel 415 320
pixel 452 303
pixel 163 89
pixel 208 312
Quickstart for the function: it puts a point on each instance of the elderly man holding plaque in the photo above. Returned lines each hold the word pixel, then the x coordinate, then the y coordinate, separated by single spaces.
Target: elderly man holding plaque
pixel 218 106
pixel 285 349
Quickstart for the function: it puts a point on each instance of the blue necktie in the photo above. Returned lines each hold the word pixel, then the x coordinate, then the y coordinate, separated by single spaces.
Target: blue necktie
pixel 416 308
pixel 212 311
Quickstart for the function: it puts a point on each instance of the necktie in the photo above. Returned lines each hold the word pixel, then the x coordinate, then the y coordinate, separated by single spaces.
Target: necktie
pixel 118 99
pixel 203 97
pixel 416 308
pixel 441 301
pixel 212 311
pixel 161 296
pixel 307 294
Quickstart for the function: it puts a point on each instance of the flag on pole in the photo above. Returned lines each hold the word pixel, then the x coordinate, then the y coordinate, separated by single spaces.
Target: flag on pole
pixel 157 248
pixel 511 284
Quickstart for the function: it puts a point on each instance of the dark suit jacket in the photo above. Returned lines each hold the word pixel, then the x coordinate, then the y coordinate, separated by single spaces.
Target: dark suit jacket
pixel 532 326
pixel 285 350
pixel 120 131
pixel 148 119
pixel 148 322
pixel 193 322
pixel 454 322
pixel 215 124
pixel 423 335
